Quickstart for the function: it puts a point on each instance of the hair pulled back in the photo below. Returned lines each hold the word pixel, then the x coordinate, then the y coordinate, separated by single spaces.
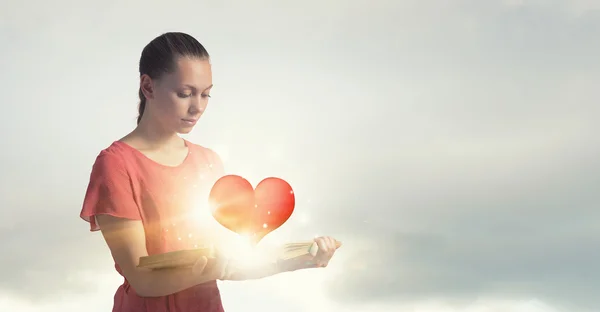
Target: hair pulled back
pixel 159 57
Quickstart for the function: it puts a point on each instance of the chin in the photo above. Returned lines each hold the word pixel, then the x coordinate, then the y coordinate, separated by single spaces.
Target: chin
pixel 185 130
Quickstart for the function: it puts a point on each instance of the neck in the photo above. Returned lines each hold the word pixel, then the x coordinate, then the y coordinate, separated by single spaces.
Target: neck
pixel 154 135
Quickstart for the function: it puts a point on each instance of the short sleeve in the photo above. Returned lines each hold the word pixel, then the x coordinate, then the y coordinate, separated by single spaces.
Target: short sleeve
pixel 109 191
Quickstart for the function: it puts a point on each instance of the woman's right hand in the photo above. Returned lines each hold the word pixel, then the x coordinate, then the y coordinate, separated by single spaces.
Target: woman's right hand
pixel 199 267
pixel 211 268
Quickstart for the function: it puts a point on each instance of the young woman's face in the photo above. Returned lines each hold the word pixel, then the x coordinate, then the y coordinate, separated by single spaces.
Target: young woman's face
pixel 180 97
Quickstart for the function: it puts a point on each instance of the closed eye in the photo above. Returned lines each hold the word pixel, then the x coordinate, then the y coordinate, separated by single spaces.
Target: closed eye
pixel 184 95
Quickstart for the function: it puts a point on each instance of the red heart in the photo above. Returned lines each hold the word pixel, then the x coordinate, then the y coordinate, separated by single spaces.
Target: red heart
pixel 240 208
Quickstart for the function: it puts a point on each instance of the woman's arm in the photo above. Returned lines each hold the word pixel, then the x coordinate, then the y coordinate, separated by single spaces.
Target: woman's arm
pixel 126 241
pixel 236 271
pixel 241 273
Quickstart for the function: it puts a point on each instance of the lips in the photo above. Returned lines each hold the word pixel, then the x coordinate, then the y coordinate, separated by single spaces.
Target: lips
pixel 190 121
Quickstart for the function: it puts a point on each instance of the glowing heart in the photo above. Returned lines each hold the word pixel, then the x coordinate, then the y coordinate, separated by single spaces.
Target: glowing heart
pixel 256 213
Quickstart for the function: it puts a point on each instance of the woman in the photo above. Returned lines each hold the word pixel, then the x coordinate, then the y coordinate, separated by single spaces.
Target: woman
pixel 142 188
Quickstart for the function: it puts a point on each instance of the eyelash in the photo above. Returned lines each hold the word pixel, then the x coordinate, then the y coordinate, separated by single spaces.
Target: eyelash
pixel 183 96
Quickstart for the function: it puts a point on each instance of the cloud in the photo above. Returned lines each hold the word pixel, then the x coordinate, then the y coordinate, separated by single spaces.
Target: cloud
pixel 472 218
pixel 452 147
pixel 501 239
pixel 40 268
pixel 505 216
pixel 489 189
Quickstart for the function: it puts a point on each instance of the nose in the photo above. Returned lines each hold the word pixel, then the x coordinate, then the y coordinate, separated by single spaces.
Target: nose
pixel 195 110
pixel 197 106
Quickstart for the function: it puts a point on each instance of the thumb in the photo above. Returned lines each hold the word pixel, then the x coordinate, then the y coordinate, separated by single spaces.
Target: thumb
pixel 200 265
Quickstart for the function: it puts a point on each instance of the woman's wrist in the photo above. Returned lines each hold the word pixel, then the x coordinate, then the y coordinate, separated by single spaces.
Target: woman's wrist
pixel 211 271
pixel 294 264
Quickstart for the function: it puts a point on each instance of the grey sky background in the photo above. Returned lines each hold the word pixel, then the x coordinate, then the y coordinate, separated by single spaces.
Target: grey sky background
pixel 451 145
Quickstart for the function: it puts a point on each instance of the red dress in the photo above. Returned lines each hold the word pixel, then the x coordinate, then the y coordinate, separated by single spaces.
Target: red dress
pixel 125 183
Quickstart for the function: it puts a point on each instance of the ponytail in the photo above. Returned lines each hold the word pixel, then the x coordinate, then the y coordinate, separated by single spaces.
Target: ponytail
pixel 142 106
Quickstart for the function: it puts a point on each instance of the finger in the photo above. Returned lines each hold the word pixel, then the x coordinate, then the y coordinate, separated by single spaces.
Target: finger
pixel 200 264
pixel 224 269
pixel 322 245
pixel 331 243
pixel 327 243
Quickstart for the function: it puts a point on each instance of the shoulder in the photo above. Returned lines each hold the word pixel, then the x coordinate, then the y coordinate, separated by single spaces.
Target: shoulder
pixel 207 157
pixel 113 157
pixel 208 152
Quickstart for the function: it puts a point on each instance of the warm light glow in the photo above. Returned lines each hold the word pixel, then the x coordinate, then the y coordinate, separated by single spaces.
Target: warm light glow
pixel 200 214
pixel 240 248
pixel 246 255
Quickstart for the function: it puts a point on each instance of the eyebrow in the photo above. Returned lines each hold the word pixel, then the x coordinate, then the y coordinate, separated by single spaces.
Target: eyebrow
pixel 194 88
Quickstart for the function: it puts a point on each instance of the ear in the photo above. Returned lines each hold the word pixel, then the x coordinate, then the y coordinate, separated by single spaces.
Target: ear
pixel 147 86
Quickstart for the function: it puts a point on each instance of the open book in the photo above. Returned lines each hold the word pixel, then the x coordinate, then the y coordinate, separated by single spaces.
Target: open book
pixel 187 258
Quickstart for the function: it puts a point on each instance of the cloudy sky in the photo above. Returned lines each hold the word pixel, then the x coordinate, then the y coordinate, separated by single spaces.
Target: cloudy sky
pixel 451 145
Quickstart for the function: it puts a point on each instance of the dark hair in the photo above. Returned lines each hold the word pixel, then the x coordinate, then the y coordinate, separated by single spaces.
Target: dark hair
pixel 160 55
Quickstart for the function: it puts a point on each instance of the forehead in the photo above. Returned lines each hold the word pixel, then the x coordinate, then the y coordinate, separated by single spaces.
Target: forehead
pixel 191 71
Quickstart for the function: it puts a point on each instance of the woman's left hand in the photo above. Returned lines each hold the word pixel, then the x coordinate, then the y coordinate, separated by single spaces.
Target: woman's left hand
pixel 327 247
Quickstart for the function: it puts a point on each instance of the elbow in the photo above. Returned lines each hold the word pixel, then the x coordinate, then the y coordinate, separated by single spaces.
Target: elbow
pixel 138 285
pixel 145 288
pixel 143 292
pixel 141 289
pixel 146 291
